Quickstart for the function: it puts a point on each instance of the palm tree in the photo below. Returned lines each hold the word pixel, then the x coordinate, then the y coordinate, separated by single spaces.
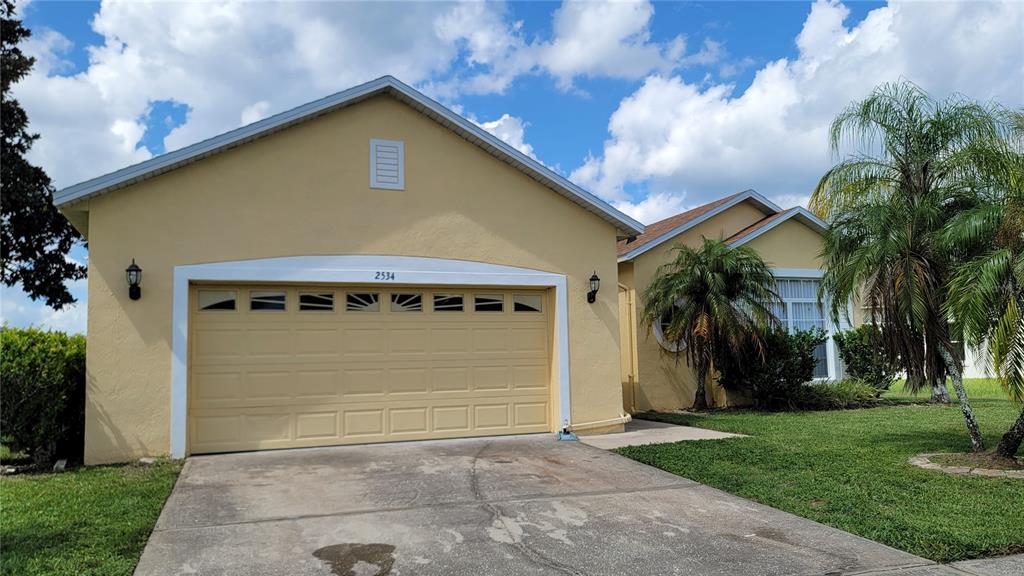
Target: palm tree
pixel 709 299
pixel 887 204
pixel 986 293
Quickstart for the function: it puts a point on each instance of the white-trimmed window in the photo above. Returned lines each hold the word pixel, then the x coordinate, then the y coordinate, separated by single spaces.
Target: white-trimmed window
pixel 801 310
pixel 387 164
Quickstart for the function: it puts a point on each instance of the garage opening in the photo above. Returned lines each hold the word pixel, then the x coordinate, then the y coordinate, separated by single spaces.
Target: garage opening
pixel 286 366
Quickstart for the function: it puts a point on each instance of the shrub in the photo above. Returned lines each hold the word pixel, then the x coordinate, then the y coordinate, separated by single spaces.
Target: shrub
pixel 865 357
pixel 42 399
pixel 837 395
pixel 774 379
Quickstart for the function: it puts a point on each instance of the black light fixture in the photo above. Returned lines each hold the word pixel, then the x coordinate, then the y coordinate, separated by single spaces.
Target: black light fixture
pixel 134 275
pixel 595 285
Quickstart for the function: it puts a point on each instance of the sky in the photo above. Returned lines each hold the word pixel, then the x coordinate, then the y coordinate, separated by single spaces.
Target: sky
pixel 655 108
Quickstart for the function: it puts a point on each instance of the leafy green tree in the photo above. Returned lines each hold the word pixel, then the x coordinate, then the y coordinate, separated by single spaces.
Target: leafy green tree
pixel 986 293
pixel 887 204
pixel 34 238
pixel 710 300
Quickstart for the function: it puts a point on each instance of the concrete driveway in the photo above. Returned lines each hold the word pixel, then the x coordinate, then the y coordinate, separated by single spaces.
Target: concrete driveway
pixel 513 505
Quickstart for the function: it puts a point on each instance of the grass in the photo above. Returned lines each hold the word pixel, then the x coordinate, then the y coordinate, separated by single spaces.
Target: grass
pixel 849 469
pixel 87 521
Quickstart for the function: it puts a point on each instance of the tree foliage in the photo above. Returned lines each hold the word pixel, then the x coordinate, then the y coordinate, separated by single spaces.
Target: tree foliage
pixel 35 237
pixel 917 163
pixel 716 300
pixel 986 292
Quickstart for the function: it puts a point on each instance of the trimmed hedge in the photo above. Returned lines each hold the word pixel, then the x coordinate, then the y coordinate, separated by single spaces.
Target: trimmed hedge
pixel 42 393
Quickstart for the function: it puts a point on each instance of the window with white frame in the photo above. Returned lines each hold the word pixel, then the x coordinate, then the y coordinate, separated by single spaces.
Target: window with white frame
pixel 801 310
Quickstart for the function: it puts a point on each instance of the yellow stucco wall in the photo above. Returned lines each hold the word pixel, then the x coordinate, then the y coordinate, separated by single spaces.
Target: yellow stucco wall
pixel 789 245
pixel 665 383
pixel 305 191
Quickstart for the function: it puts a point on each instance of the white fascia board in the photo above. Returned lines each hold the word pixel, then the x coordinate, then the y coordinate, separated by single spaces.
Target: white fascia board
pixel 469 130
pixel 800 213
pixel 765 204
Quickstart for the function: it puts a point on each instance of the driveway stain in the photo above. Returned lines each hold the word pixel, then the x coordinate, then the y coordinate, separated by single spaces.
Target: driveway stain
pixel 342 559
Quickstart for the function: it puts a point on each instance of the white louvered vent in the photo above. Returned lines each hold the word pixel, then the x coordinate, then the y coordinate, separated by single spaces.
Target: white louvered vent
pixel 387 164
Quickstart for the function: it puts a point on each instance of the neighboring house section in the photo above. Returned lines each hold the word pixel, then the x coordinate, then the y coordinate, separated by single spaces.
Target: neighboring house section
pixel 368 267
pixel 653 377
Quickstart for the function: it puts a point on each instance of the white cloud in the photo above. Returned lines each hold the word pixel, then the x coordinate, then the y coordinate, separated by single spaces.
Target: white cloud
pixel 255 112
pixel 653 208
pixel 512 130
pixel 673 136
pixel 606 39
pixel 233 63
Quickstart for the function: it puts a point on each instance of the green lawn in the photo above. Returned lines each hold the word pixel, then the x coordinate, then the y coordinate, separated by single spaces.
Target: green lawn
pixel 849 469
pixel 85 521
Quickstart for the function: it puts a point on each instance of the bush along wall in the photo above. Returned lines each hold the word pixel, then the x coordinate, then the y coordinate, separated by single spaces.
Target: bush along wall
pixel 42 393
pixel 772 378
pixel 865 358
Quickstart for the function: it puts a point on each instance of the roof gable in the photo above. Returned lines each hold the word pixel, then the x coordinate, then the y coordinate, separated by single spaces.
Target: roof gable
pixel 762 226
pixel 385 85
pixel 667 229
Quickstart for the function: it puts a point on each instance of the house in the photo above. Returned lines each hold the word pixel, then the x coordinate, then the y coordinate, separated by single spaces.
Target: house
pixel 368 267
pixel 653 377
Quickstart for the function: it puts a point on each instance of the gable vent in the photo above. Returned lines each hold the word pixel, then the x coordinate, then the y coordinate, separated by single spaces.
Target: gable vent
pixel 387 164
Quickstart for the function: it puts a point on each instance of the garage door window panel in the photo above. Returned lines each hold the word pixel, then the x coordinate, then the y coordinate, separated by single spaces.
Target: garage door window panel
pixel 267 301
pixel 217 300
pixel 316 301
pixel 448 303
pixel 406 302
pixel 362 302
pixel 489 303
pixel 527 303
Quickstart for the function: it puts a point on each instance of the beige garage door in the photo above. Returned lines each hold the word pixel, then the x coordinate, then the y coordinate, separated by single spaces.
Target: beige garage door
pixel 292 366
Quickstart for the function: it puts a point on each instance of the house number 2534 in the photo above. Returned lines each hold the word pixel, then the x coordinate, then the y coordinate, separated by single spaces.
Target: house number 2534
pixel 383 275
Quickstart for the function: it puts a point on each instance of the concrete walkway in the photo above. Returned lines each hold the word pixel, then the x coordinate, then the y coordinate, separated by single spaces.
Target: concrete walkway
pixel 486 506
pixel 1005 566
pixel 639 432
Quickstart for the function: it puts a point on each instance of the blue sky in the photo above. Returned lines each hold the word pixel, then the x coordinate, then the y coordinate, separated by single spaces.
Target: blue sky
pixel 654 107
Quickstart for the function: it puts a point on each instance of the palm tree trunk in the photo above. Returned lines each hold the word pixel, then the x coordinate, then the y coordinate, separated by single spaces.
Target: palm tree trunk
pixel 1010 442
pixel 700 401
pixel 940 393
pixel 977 444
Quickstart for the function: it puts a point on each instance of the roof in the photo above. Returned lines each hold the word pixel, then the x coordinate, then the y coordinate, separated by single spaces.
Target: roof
pixel 385 85
pixel 764 225
pixel 669 228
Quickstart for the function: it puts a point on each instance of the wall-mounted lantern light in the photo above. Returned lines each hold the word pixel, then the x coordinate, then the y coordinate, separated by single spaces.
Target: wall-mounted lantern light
pixel 134 275
pixel 595 285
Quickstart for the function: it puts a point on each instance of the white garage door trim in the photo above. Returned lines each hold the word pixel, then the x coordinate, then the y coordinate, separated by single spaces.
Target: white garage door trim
pixel 404 270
